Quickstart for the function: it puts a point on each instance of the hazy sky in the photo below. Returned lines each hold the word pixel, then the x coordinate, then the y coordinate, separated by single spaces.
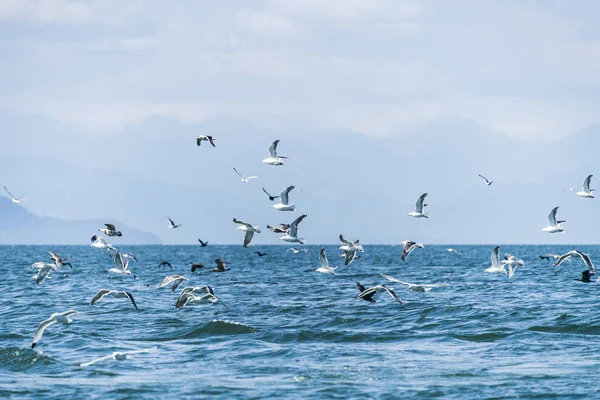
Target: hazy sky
pixel 527 68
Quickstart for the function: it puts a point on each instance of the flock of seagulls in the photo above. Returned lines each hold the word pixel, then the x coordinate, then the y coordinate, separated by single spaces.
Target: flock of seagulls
pixel 195 295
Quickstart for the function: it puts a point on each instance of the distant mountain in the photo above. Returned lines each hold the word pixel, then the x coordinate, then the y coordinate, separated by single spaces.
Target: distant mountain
pixel 19 226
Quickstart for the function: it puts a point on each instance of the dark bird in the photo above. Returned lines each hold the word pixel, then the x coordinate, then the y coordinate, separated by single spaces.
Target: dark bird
pixel 270 197
pixel 377 289
pixel 260 254
pixel 196 266
pixel 585 276
pixel 173 225
pixel 59 261
pixel 488 182
pixel 168 264
pixel 110 230
pixel 203 244
pixel 206 138
pixel 368 297
pixel 284 228
pixel 220 266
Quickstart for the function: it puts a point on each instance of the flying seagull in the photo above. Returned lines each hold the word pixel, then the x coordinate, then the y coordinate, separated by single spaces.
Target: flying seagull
pixel 245 180
pixel 166 264
pixel 260 254
pixel 548 256
pixel 220 266
pixel 110 230
pixel 273 158
pixel 176 280
pixel 114 293
pixel 173 225
pixel 496 265
pixel 249 229
pixel 59 262
pixel 205 138
pixel 409 246
pixel 454 251
pixel 577 254
pixel 368 296
pixel 100 243
pixel 118 356
pixel 196 266
pixel 121 266
pixel 284 204
pixel 488 182
pixel 44 271
pixel 378 289
pixel 15 199
pixel 350 249
pixel 413 286
pixel 325 268
pixel 270 197
pixel 554 226
pixel 296 251
pixel 63 318
pixel 292 235
pixel 284 228
pixel 418 213
pixel 187 296
pixel 202 244
pixel 587 192
pixel 512 262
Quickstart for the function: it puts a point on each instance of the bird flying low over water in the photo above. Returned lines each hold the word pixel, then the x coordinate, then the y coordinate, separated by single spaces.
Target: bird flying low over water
pixel 63 318
pixel 419 206
pixel 110 230
pixel 176 280
pixel 350 249
pixel 409 246
pixel 205 138
pixel 325 268
pixel 187 296
pixel 44 271
pixel 203 244
pixel 121 266
pixel 488 182
pixel 587 192
pixel 413 286
pixel 454 251
pixel 577 254
pixel 249 229
pixel 260 254
pixel 59 262
pixel 496 265
pixel 196 266
pixel 273 158
pixel 292 235
pixel 220 266
pixel 512 262
pixel 284 204
pixel 245 180
pixel 100 243
pixel 118 356
pixel 284 228
pixel 296 251
pixel 554 226
pixel 14 199
pixel 367 294
pixel 173 225
pixel 270 197
pixel 117 294
pixel 165 264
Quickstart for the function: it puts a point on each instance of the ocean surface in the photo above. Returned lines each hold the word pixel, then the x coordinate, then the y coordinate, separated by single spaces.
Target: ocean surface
pixel 291 332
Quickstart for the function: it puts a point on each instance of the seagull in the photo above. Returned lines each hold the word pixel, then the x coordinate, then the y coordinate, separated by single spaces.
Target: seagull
pixel 418 213
pixel 413 286
pixel 173 226
pixel 367 297
pixel 325 268
pixel 454 251
pixel 118 356
pixel 220 266
pixel 205 138
pixel 284 228
pixel 496 266
pixel 187 297
pixel 16 200
pixel 260 254
pixel 292 235
pixel 273 158
pixel 554 226
pixel 284 204
pixel 547 257
pixel 577 254
pixel 512 262
pixel 59 262
pixel 130 257
pixel 121 267
pixel 100 243
pixel 44 271
pixel 110 230
pixel 196 266
pixel 350 249
pixel 114 293
pixel 270 197
pixel 249 229
pixel 378 289
pixel 585 276
pixel 176 280
pixel 63 318
pixel 409 246
pixel 203 244
pixel 296 251
pixel 488 182
pixel 587 192
pixel 165 263
pixel 245 180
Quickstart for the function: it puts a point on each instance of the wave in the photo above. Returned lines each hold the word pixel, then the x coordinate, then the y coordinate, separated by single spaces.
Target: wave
pixel 23 359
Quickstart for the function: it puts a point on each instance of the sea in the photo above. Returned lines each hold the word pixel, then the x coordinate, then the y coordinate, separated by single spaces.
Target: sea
pixel 290 332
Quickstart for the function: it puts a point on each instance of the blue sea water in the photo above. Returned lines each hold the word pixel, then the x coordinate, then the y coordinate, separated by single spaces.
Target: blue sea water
pixel 292 332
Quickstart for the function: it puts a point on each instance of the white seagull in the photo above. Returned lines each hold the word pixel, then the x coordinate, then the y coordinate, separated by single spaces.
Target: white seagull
pixel 378 289
pixel 114 293
pixel 325 268
pixel 173 225
pixel 554 226
pixel 121 267
pixel 273 158
pixel 413 286
pixel 577 254
pixel 245 180
pixel 497 266
pixel 205 138
pixel 284 204
pixel 296 251
pixel 110 230
pixel 15 199
pixel 118 356
pixel 100 243
pixel 176 280
pixel 187 296
pixel 454 251
pixel 350 249
pixel 512 262
pixel 409 246
pixel 488 182
pixel 249 229
pixel 63 318
pixel 587 192
pixel 292 235
pixel 418 213
pixel 44 271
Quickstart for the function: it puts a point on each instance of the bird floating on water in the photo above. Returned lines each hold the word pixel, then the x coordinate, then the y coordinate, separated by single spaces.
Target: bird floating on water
pixel 325 268
pixel 284 204
pixel 587 192
pixel 121 266
pixel 245 180
pixel 14 199
pixel 249 229
pixel 63 318
pixel 205 138
pixel 554 226
pixel 273 158
pixel 419 206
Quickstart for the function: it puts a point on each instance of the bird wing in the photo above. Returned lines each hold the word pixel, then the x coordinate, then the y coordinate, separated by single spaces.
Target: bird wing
pixel 252 177
pixel 391 278
pixel 393 294
pixel 349 257
pixel 40 330
pixel 96 360
pixel 168 279
pixel 323 258
pixel 483 177
pixel 130 296
pixel 294 225
pixel 409 245
pixel 237 172
pixel 273 148
pixel 586 183
pixel 198 140
pixel 101 293
pixel 54 256
pixel 561 259
pixel 285 193
pixel 587 261
pixel 268 194
pixel 110 227
pixel 44 271
pixel 119 261
pixel 419 203
pixel 495 258
pixel 345 241
pixel 248 238
pixel 237 221
pixel 171 221
pixel 9 193
pixel 552 217
pixel 211 140
pixel 365 292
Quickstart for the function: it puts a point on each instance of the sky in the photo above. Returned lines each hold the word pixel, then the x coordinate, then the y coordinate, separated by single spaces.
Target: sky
pixel 529 69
